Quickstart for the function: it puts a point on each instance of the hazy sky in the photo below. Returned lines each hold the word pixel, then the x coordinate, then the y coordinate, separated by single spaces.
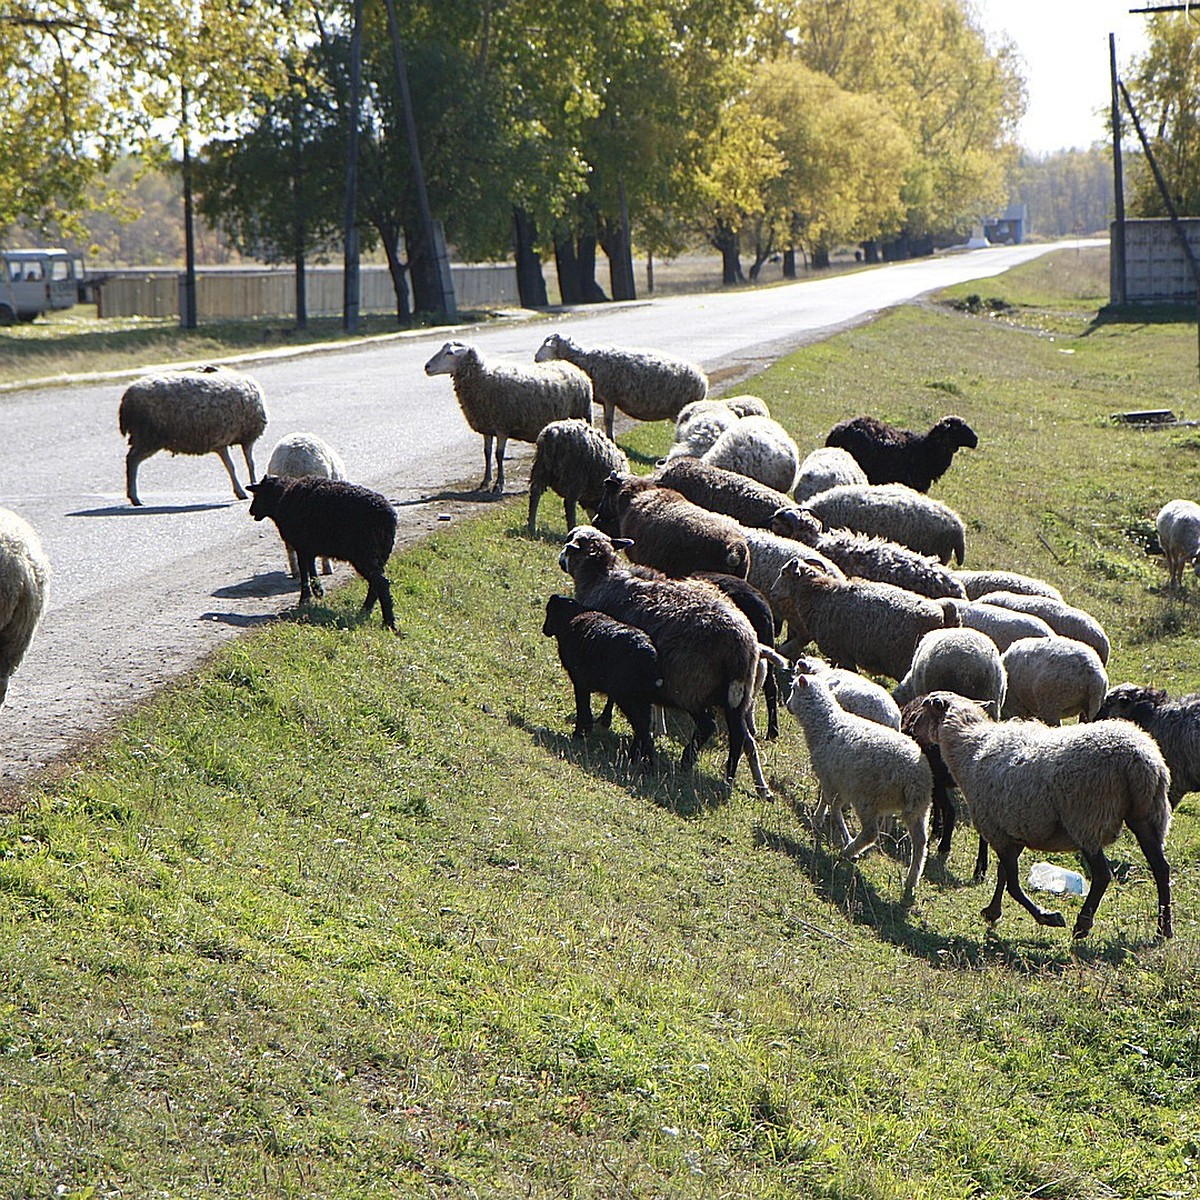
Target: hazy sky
pixel 1065 47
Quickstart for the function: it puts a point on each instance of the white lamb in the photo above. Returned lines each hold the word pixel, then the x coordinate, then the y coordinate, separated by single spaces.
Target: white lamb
pixel 1178 525
pixel 24 581
pixel 295 456
pixel 760 448
pixel 824 468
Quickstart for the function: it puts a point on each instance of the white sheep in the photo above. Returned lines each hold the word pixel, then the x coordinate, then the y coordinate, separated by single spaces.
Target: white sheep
pixel 760 448
pixel 1003 625
pixel 878 770
pixel 643 384
pixel 295 456
pixel 979 583
pixel 573 459
pixel 1063 618
pixel 204 411
pixel 24 582
pixel 1178 525
pixel 895 512
pixel 700 423
pixel 770 553
pixel 825 468
pixel 854 692
pixel 956 660
pixel 505 400
pixel 1029 785
pixel 1053 677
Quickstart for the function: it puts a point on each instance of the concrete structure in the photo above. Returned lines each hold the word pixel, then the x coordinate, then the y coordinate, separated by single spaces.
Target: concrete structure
pixel 1156 268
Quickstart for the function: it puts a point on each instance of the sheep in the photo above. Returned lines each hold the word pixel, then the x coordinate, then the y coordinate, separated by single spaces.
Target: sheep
pixel 1003 625
pixel 978 583
pixel 736 495
pixel 870 557
pixel 878 770
pixel 700 423
pixel 641 383
pixel 603 655
pixel 669 533
pixel 956 660
pixel 708 652
pixel 826 467
pixel 1063 618
pixel 1028 785
pixel 203 411
pixel 858 625
pixel 770 553
pixel 504 400
pixel 895 512
pixel 855 693
pixel 1173 724
pixel 335 519
pixel 1178 526
pixel 760 448
pixel 573 459
pixel 300 454
pixel 1053 677
pixel 24 585
pixel 891 455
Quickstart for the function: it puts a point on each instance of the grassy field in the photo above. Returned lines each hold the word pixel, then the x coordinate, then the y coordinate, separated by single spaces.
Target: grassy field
pixel 348 915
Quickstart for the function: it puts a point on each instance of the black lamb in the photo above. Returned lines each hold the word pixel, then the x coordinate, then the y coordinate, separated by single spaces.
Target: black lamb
pixel 1173 724
pixel 330 518
pixel 891 455
pixel 604 655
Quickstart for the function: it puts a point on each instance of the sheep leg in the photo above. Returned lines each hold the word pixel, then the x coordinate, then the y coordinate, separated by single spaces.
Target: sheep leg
pixel 706 726
pixel 248 455
pixel 610 411
pixel 238 490
pixel 604 720
pixel 487 464
pixel 742 741
pixel 326 567
pixel 535 498
pixel 943 817
pixel 1008 879
pixel 583 712
pixel 378 589
pixel 918 832
pixel 643 739
pixel 293 564
pixel 1150 840
pixel 569 511
pixel 981 857
pixel 771 696
pixel 867 837
pixel 133 460
pixel 501 442
pixel 308 581
pixel 1101 877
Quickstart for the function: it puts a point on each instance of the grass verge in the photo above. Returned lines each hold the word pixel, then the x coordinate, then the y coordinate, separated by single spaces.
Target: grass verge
pixel 347 915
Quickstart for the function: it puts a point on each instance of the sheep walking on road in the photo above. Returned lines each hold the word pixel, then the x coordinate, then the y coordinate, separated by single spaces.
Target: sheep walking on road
pixel 24 582
pixel 204 411
pixel 300 454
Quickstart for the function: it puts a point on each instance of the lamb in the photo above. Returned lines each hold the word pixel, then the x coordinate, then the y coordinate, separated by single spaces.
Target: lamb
pixel 1173 724
pixel 642 384
pixel 700 423
pixel 334 519
pixel 1053 677
pixel 24 585
pixel 603 655
pixel 1063 618
pixel 891 455
pixel 572 459
pixel 858 625
pixel 300 454
pixel 203 411
pixel 1065 789
pixel 669 533
pixel 878 770
pixel 760 448
pixel 1178 526
pixel 1003 625
pixel 503 400
pixel 869 557
pixel 977 584
pixel 855 693
pixel 895 512
pixel 824 468
pixel 708 652
pixel 747 501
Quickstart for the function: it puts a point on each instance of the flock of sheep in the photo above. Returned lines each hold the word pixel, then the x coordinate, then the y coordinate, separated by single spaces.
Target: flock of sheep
pixel 689 576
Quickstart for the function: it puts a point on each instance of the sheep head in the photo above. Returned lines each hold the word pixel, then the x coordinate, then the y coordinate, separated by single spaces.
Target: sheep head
pixel 796 524
pixel 553 347
pixel 267 492
pixel 590 553
pixel 954 432
pixel 448 359
pixel 936 709
pixel 1132 702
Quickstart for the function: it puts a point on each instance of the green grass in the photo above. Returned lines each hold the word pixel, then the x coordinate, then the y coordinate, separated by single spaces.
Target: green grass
pixel 348 915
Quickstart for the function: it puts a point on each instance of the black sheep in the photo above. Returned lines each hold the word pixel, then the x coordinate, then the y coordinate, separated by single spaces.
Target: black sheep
pixel 601 654
pixel 1173 724
pixel 331 518
pixel 891 455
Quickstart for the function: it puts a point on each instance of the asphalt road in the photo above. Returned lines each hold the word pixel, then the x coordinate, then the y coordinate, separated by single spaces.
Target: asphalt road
pixel 140 596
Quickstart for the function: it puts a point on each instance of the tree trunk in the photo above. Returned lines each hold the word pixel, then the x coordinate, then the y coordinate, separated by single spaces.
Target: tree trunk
pixel 423 273
pixel 531 284
pixel 820 257
pixel 620 253
pixel 870 251
pixel 789 263
pixel 585 253
pixel 567 266
pixel 301 292
pixel 725 239
pixel 389 239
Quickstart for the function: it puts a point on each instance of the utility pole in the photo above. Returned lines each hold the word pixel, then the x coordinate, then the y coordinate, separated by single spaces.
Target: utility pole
pixel 1119 288
pixel 187 306
pixel 350 277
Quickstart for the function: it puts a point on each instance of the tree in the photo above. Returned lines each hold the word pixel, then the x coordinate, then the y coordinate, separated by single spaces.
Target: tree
pixel 1070 192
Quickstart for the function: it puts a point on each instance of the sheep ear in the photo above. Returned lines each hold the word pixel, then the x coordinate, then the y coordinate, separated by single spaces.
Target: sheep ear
pixel 622 543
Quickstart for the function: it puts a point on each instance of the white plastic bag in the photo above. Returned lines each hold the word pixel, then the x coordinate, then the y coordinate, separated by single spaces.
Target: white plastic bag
pixel 1047 877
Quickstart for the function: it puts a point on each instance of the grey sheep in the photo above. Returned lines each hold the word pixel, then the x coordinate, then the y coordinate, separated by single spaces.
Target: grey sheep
pixel 505 400
pixel 824 468
pixel 1003 625
pixel 204 411
pixel 1178 527
pixel 708 651
pixel 1053 677
pixel 760 448
pixel 573 459
pixel 24 586
pixel 300 454
pixel 878 770
pixel 895 512
pixel 865 557
pixel 854 692
pixel 979 583
pixel 858 625
pixel 641 383
pixel 1028 785
pixel 668 532
pixel 1063 618
pixel 334 519
pixel 747 501
pixel 1173 724
pixel 770 553
pixel 956 660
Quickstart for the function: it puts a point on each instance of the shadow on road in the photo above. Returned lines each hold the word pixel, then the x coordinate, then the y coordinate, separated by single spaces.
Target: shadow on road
pixel 274 583
pixel 146 510
pixel 241 620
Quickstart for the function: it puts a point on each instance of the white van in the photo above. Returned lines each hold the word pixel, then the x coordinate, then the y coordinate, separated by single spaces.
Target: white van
pixel 37 280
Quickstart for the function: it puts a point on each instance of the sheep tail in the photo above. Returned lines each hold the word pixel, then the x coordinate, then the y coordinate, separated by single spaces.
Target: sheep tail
pixel 950 615
pixel 773 657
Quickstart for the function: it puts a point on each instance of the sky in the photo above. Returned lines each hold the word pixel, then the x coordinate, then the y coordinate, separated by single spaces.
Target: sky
pixel 1064 45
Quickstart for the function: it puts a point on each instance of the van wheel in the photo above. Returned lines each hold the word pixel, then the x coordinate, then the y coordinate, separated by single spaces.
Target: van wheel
pixel 7 316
